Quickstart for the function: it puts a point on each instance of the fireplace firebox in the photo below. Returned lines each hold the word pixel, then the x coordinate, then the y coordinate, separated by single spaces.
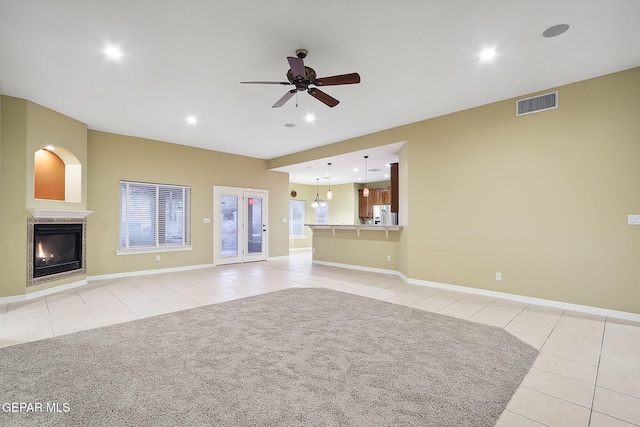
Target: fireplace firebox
pixel 56 249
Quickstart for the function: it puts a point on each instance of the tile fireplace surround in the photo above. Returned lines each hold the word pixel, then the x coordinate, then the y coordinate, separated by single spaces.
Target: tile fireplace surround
pixel 50 216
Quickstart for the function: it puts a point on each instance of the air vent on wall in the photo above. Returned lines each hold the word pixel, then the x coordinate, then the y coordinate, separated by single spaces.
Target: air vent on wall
pixel 535 104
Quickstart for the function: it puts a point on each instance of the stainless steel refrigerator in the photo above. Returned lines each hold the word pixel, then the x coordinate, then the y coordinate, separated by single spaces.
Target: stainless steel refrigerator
pixel 382 215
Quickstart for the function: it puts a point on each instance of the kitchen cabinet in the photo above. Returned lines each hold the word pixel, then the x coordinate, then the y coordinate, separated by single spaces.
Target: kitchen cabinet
pixel 377 196
pixel 384 196
pixel 365 207
pixel 394 187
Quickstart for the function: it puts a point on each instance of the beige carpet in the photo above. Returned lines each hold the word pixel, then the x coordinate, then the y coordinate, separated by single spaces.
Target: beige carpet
pixel 297 357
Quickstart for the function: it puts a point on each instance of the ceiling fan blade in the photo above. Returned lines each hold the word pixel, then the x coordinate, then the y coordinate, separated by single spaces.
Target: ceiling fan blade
pixel 266 83
pixel 297 67
pixel 323 97
pixel 287 96
pixel 342 79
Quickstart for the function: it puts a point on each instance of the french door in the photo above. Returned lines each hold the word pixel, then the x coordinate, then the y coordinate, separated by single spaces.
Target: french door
pixel 239 227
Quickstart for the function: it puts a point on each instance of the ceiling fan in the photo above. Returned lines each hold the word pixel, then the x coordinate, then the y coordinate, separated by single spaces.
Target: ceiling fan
pixel 302 76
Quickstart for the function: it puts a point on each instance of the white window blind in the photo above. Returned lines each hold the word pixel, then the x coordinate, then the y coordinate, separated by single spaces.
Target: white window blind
pixel 154 215
pixel 297 209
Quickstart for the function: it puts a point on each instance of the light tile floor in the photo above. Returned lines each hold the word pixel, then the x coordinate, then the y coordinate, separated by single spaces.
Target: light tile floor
pixel 587 373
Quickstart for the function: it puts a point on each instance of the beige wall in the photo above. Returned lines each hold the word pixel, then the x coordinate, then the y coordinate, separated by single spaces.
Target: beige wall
pixel 116 157
pixel 542 198
pixel 106 159
pixel 26 128
pixel 369 249
pixel 341 207
pixel 13 203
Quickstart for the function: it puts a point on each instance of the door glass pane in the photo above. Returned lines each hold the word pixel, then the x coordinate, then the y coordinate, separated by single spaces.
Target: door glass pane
pixel 254 225
pixel 229 225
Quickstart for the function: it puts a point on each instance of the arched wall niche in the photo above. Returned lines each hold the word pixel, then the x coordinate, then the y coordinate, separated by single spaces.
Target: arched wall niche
pixel 57 175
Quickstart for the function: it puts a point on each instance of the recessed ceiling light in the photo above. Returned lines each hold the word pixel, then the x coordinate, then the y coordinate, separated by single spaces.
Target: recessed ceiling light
pixel 310 118
pixel 289 125
pixel 488 54
pixel 192 120
pixel 355 169
pixel 556 30
pixel 113 52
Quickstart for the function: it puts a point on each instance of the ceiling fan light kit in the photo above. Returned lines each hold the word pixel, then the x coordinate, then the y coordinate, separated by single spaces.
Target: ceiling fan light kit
pixel 302 77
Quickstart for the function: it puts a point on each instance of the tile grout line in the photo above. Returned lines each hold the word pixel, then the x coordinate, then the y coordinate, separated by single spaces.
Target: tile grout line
pixel 526 417
pixel 595 385
pixel 559 398
pixel 514 319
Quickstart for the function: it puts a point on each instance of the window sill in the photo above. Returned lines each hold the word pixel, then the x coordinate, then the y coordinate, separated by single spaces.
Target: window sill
pixel 153 250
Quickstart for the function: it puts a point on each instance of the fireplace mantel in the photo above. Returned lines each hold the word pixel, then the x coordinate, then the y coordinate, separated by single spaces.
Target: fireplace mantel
pixel 59 213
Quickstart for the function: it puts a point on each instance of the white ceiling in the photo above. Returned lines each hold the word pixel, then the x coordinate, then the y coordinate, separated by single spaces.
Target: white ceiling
pixel 346 168
pixel 417 59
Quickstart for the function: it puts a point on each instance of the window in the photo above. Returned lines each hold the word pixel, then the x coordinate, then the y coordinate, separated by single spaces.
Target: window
pixel 297 209
pixel 154 216
pixel 322 214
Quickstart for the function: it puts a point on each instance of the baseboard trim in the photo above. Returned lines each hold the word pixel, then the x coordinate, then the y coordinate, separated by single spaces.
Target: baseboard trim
pixel 623 315
pixel 359 267
pixel 147 272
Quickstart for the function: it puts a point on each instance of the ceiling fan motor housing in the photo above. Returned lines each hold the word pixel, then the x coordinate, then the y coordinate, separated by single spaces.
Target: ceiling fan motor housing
pixel 299 83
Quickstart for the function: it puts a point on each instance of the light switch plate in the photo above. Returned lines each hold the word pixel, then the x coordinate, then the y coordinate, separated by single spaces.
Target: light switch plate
pixel 633 219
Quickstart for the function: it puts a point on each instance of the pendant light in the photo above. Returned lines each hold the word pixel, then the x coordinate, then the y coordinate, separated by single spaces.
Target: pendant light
pixel 329 193
pixel 318 201
pixel 365 190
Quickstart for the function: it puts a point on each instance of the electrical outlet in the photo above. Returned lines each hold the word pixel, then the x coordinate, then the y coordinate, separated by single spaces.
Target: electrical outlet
pixel 388 257
pixel 157 257
pixel 498 276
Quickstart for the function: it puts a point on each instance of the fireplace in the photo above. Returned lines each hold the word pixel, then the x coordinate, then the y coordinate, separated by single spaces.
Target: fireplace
pixel 56 249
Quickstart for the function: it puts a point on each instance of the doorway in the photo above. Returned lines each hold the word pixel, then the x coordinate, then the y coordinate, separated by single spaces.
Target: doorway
pixel 240 225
